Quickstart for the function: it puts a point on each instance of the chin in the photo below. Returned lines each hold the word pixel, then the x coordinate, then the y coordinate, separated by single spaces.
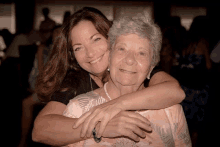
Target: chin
pixel 126 83
pixel 99 72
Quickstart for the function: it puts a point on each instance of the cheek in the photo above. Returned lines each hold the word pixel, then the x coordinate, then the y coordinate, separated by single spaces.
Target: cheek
pixel 115 60
pixel 144 66
pixel 103 45
pixel 79 57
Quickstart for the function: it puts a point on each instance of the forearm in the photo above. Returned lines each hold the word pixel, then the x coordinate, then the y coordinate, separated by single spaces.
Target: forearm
pixel 56 130
pixel 158 96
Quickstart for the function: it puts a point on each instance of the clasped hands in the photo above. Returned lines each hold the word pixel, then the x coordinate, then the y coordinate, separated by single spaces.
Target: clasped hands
pixel 112 121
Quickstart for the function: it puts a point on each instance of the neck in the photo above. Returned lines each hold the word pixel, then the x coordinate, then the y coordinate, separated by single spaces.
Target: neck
pixel 100 78
pixel 97 80
pixel 117 90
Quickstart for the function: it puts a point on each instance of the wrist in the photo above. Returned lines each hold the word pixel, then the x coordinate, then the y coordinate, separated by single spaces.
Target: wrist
pixel 121 104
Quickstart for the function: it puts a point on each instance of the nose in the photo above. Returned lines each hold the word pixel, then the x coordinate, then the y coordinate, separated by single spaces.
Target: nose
pixel 90 51
pixel 130 58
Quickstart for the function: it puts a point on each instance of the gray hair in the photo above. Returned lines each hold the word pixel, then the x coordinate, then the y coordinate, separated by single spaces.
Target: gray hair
pixel 141 25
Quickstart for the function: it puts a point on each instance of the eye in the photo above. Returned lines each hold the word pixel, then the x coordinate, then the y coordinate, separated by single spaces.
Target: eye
pixel 142 53
pixel 77 49
pixel 97 39
pixel 121 49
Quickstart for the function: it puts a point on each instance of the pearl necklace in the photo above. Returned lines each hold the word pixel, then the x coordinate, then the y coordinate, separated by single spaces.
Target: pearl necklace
pixel 90 82
pixel 106 91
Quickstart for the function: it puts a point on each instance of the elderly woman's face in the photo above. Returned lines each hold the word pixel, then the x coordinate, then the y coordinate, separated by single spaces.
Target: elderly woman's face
pixel 130 60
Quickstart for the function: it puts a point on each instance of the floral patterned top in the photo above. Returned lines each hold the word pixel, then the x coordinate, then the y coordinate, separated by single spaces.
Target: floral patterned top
pixel 169 127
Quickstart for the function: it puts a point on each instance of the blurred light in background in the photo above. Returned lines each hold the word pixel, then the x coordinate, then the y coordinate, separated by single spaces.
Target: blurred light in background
pixel 187 14
pixel 2 44
pixel 7 17
pixel 57 10
pixel 130 9
pixel 107 10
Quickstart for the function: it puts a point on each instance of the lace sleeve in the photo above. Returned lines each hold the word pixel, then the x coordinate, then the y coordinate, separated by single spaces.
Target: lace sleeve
pixel 179 126
pixel 82 103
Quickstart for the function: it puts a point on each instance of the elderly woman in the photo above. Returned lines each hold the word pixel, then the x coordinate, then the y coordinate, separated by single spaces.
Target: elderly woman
pixel 135 44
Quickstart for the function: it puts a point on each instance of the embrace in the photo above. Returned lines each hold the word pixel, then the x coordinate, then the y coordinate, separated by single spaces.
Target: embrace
pixel 134 47
pixel 111 104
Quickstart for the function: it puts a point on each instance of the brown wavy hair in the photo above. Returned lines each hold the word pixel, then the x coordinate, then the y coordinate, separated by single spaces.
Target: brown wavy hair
pixel 62 57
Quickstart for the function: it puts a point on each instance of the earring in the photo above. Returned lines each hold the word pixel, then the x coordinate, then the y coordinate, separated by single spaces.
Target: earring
pixel 108 69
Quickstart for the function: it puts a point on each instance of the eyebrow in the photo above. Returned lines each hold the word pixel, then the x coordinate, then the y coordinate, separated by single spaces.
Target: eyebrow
pixel 120 44
pixel 94 35
pixel 143 48
pixel 77 44
pixel 126 46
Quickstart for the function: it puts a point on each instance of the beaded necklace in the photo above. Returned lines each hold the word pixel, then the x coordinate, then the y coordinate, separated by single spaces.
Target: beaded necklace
pixel 90 82
pixel 106 91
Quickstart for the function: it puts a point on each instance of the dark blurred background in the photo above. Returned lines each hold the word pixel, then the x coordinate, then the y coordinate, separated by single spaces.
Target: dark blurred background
pixel 190 33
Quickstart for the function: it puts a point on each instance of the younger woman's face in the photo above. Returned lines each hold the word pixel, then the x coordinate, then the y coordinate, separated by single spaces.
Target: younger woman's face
pixel 90 48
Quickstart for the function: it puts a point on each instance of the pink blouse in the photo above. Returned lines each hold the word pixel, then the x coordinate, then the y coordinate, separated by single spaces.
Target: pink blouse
pixel 169 126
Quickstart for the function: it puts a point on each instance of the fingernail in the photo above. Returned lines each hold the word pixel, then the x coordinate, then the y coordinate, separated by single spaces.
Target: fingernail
pixel 74 126
pixel 138 140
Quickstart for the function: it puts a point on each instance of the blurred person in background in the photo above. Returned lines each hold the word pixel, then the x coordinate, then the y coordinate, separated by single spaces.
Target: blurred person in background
pixel 48 31
pixel 194 75
pixel 47 25
pixel 2 48
pixel 166 55
pixel 215 54
pixel 11 59
pixel 30 102
pixel 66 16
pixel 7 36
pixel 2 43
pixel 174 36
pixel 26 37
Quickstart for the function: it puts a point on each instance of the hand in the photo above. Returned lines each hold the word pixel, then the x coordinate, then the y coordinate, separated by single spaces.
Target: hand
pixel 127 124
pixel 104 113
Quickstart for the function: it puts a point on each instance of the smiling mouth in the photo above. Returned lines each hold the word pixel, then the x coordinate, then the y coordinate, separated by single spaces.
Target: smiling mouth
pixel 97 60
pixel 126 71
